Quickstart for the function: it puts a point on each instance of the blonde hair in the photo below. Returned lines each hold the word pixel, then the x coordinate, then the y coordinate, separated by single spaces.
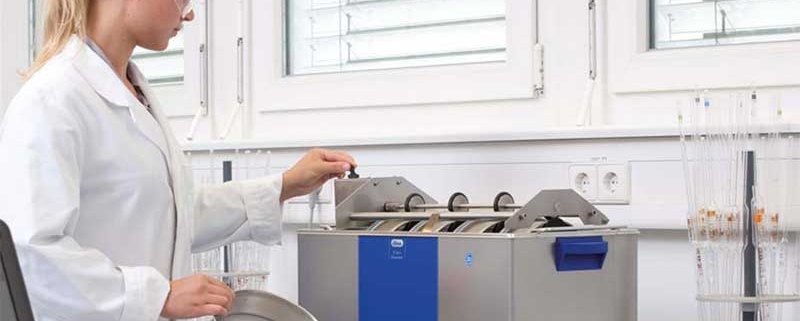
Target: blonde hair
pixel 63 18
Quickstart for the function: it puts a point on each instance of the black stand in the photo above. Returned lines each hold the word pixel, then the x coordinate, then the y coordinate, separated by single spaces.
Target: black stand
pixel 227 252
pixel 749 310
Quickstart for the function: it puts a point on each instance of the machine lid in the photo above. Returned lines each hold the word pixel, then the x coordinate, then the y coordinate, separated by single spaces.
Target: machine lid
pixel 252 305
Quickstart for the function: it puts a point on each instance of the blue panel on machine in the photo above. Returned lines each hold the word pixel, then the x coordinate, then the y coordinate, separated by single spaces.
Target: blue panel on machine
pixel 580 253
pixel 398 278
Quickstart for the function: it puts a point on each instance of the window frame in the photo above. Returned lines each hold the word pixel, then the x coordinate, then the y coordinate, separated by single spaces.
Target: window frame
pixel 14 53
pixel 635 68
pixel 273 91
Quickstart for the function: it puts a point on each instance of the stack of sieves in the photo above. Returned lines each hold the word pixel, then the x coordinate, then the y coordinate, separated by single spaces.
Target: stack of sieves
pixel 252 305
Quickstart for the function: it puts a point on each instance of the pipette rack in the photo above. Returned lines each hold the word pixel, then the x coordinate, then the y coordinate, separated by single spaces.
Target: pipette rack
pixel 741 169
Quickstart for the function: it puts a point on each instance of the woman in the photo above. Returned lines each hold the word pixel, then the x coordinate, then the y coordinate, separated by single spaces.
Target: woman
pixel 96 190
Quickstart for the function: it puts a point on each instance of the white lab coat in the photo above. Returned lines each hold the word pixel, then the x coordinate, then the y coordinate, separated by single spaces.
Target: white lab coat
pixel 85 190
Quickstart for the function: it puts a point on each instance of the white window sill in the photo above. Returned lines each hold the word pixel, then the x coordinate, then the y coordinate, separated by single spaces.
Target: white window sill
pixel 545 134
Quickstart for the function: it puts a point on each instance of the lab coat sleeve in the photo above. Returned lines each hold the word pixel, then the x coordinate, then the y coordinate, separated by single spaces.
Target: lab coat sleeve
pixel 41 150
pixel 238 211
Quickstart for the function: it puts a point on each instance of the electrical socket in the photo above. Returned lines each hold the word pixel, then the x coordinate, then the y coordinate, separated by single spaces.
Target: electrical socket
pixel 614 184
pixel 583 179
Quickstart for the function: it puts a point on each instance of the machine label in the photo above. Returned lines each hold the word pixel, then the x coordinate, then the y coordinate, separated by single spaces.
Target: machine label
pixel 403 286
pixel 397 251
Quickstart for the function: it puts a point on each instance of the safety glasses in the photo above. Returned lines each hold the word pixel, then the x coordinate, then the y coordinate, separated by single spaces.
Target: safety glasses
pixel 184 7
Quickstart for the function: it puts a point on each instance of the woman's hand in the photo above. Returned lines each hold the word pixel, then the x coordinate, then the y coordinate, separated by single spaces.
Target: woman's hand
pixel 313 170
pixel 196 296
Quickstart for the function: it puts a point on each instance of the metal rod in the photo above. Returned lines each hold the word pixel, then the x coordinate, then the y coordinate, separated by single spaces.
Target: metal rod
pixel 592 39
pixel 413 216
pixel 468 206
pixel 203 80
pixel 584 114
pixel 240 70
pixel 32 26
pixel 204 61
pixel 239 90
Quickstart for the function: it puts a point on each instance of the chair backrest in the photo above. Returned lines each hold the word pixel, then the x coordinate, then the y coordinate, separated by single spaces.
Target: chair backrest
pixel 14 302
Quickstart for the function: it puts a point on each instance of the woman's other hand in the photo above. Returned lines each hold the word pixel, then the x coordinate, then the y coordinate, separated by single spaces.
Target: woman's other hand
pixel 314 169
pixel 196 296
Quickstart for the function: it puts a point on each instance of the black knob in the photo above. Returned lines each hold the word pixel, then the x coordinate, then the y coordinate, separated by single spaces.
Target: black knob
pixel 353 174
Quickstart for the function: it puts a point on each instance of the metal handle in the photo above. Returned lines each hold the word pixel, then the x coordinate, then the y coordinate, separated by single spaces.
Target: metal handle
pixel 592 39
pixel 203 79
pixel 32 52
pixel 240 70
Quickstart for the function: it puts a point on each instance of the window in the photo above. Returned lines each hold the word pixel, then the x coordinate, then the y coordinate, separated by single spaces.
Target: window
pixel 316 54
pixel 15 56
pixel 695 32
pixel 164 70
pixel 688 23
pixel 348 35
pixel 162 67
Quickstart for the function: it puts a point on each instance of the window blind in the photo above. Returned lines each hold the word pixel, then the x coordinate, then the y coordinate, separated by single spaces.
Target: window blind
pixel 692 23
pixel 324 36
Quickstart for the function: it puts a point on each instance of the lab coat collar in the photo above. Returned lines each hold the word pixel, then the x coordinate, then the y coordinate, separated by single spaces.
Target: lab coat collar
pixel 107 84
pixel 98 73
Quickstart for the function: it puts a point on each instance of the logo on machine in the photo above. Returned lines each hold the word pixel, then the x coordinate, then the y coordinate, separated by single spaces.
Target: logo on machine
pixel 469 259
pixel 397 249
pixel 398 243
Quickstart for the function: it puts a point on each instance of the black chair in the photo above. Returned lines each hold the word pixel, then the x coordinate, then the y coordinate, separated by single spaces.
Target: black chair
pixel 14 302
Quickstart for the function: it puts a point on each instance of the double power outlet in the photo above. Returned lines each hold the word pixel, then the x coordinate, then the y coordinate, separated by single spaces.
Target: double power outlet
pixel 602 183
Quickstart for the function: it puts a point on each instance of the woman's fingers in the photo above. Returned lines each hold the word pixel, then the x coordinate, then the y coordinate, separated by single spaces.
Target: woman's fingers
pixel 338 156
pixel 334 169
pixel 220 300
pixel 314 169
pixel 218 288
pixel 219 284
pixel 212 309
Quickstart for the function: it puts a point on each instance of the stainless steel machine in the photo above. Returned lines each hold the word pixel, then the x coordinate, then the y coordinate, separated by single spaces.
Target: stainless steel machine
pixel 397 254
